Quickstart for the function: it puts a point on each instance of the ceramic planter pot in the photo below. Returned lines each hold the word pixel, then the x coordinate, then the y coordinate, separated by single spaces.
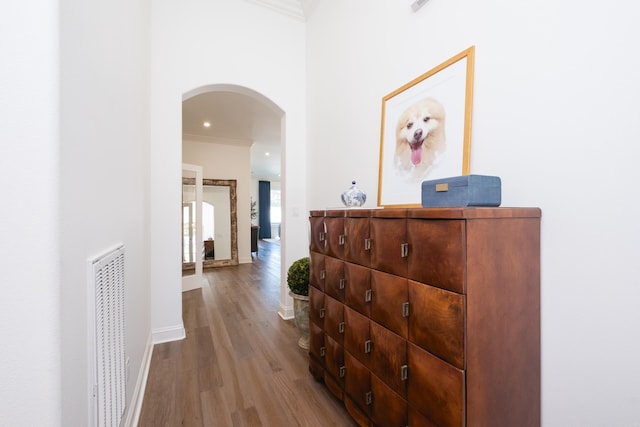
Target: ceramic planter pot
pixel 301 313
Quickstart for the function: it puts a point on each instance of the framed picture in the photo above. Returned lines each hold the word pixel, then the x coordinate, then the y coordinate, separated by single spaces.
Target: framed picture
pixel 426 131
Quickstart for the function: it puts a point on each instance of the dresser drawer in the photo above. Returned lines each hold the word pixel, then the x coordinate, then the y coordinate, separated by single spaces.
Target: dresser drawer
pixel 390 301
pixel 335 281
pixel 317 270
pixel 435 388
pixel 317 347
pixel 358 243
pixel 316 306
pixel 357 336
pixel 335 234
pixel 334 319
pixel 437 322
pixel 387 408
pixel 437 254
pixel 334 362
pixel 357 293
pixel 357 383
pixel 389 358
pixel 318 232
pixel 388 235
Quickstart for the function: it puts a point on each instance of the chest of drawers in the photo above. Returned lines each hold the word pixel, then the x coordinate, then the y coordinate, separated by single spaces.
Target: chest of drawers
pixel 428 317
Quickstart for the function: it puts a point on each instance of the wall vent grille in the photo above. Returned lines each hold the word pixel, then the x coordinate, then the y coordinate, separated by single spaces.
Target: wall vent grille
pixel 110 366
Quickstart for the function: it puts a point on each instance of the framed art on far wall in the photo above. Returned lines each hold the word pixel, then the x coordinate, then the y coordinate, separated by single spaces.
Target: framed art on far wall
pixel 426 131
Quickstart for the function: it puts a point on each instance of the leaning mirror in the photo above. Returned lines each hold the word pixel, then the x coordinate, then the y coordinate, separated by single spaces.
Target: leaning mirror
pixel 219 223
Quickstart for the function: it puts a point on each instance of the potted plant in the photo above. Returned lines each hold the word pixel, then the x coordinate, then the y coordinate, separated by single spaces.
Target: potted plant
pixel 298 282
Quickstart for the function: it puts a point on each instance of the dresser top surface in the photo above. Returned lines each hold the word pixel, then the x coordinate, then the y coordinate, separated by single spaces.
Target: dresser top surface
pixel 433 213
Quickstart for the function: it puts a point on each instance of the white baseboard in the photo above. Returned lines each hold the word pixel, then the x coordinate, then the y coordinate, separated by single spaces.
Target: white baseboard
pixel 190 283
pixel 286 313
pixel 172 333
pixel 135 404
pixel 245 260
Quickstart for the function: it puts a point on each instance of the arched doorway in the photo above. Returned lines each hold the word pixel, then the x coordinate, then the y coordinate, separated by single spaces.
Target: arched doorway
pixel 236 120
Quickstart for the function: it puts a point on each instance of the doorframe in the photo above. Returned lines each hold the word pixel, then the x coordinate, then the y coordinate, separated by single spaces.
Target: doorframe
pixel 195 281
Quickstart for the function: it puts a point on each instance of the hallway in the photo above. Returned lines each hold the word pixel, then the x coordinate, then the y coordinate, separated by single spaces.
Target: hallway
pixel 239 364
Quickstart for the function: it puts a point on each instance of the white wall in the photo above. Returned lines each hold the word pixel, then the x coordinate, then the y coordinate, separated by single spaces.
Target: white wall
pixel 225 160
pixel 556 116
pixel 196 44
pixel 104 177
pixel 74 107
pixel 29 262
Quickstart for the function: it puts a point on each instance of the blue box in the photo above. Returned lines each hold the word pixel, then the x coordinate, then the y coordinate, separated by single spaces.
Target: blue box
pixel 461 191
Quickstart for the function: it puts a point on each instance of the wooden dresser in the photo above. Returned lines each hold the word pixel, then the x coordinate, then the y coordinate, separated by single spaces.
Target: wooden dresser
pixel 428 317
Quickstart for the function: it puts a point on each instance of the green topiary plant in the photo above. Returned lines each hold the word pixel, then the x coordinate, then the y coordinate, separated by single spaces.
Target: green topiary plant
pixel 298 277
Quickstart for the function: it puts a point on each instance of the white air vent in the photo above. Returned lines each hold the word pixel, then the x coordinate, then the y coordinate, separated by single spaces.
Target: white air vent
pixel 106 290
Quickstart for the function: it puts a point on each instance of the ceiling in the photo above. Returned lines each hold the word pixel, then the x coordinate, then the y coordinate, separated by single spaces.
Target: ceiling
pixel 236 116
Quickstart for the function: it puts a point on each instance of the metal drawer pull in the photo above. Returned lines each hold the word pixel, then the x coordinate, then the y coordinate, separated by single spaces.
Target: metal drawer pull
pixel 322 313
pixel 367 244
pixel 321 236
pixel 404 250
pixel 341 240
pixel 368 398
pixel 405 309
pixel 341 327
pixel 323 350
pixel 342 371
pixel 404 372
pixel 323 274
pixel 367 295
pixel 341 284
pixel 367 346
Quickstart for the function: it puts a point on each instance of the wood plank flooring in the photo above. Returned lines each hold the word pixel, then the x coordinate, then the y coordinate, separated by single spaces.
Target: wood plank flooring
pixel 240 364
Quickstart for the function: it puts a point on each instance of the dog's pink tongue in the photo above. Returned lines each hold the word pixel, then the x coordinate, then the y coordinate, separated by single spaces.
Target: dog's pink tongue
pixel 416 155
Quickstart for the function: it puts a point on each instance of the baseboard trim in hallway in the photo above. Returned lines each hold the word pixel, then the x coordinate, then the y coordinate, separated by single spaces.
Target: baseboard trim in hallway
pixel 135 403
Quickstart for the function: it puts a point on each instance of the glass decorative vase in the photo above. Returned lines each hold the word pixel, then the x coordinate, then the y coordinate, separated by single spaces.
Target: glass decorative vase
pixel 353 197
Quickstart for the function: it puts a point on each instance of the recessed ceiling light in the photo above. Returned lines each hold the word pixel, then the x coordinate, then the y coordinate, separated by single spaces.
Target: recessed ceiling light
pixel 267 154
pixel 206 124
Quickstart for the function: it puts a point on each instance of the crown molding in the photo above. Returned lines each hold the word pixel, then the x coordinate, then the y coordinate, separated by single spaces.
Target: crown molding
pixel 217 140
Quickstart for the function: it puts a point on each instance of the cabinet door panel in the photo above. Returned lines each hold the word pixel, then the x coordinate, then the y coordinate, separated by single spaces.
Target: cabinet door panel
pixel 437 253
pixel 437 323
pixel 335 235
pixel 357 382
pixel 318 241
pixel 316 306
pixel 388 408
pixel 416 419
pixel 334 360
pixel 317 270
pixel 357 336
pixel 356 249
pixel 435 388
pixel 334 319
pixel 335 281
pixel 333 385
pixel 358 415
pixel 388 357
pixel 317 347
pixel 387 237
pixel 357 293
pixel 390 299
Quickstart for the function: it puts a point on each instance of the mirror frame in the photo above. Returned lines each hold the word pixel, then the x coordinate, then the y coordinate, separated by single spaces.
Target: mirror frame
pixel 233 207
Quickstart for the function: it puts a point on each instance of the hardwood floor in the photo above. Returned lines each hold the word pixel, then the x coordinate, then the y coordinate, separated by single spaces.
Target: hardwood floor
pixel 240 364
